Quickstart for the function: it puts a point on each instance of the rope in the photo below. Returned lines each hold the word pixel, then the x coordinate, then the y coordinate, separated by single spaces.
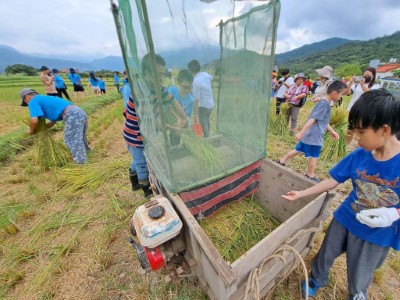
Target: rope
pixel 253 281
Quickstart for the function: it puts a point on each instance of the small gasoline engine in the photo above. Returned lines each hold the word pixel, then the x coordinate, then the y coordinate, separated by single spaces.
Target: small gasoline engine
pixel 157 226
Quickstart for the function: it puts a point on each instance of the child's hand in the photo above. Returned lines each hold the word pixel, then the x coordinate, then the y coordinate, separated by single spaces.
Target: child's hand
pixel 334 135
pixel 298 136
pixel 291 196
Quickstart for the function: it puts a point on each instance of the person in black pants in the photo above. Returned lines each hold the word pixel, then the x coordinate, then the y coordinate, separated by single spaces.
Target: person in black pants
pixel 60 85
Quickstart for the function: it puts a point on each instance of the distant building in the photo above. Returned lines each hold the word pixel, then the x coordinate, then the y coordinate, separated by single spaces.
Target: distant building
pixel 374 63
pixel 386 70
pixel 392 85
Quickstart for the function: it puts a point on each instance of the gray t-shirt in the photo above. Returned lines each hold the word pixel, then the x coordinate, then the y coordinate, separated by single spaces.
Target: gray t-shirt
pixel 321 113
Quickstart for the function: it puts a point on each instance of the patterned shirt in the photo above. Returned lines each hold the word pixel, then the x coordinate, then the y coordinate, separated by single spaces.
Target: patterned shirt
pixel 132 134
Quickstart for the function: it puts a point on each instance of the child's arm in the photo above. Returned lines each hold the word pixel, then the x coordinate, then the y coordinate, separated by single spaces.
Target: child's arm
pixel 307 126
pixel 181 113
pixel 333 133
pixel 323 186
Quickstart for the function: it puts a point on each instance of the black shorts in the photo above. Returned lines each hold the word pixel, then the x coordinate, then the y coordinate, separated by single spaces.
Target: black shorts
pixel 103 91
pixel 78 88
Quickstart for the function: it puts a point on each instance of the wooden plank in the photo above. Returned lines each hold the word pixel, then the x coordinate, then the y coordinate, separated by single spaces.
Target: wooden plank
pixel 267 246
pixel 275 269
pixel 277 180
pixel 224 271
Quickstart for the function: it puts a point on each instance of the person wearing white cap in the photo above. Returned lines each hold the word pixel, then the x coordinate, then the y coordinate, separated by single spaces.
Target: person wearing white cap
pixel 57 109
pixel 296 97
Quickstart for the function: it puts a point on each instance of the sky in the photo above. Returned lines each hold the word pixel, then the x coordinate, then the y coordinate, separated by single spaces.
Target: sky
pixel 85 29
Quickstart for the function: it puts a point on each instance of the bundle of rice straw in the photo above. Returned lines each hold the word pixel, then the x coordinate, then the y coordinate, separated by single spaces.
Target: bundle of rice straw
pixel 202 150
pixel 237 227
pixel 48 151
pixel 278 123
pixel 80 178
pixel 336 150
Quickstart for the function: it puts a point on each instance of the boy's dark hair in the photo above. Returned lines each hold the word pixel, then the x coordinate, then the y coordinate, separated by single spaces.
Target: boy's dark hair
pixel 374 109
pixel 285 71
pixel 194 66
pixel 335 86
pixel 146 63
pixel 185 75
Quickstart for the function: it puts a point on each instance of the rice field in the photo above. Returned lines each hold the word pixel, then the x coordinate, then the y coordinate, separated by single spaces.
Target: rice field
pixel 58 241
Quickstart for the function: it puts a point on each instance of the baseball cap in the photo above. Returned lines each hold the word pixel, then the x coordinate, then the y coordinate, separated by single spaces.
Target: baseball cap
pixel 25 92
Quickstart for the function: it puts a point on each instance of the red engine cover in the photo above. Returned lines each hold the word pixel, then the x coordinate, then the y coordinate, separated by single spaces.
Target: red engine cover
pixel 156 259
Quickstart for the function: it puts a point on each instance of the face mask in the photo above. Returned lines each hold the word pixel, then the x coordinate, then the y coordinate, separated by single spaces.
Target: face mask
pixel 367 79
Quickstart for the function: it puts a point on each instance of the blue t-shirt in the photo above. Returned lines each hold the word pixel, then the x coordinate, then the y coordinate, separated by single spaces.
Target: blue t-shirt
pixel 116 79
pixel 321 113
pixel 126 93
pixel 102 84
pixel 75 78
pixel 49 107
pixel 375 184
pixel 93 82
pixel 186 101
pixel 58 82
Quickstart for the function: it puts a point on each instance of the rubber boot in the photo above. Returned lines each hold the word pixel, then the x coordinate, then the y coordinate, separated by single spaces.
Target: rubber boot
pixel 145 185
pixel 134 180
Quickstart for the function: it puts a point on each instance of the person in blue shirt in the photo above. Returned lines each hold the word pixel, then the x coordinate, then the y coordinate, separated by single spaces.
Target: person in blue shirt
pixel 116 81
pixel 94 82
pixel 366 225
pixel 102 85
pixel 182 93
pixel 60 86
pixel 77 83
pixel 126 91
pixel 57 109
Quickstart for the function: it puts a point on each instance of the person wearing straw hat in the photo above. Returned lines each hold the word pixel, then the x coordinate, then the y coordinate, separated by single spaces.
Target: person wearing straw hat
pixel 295 96
pixel 48 81
pixel 57 109
pixel 325 76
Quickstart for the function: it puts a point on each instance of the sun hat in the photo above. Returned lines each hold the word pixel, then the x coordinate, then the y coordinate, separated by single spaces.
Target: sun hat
pixel 326 72
pixel 43 68
pixel 299 75
pixel 25 92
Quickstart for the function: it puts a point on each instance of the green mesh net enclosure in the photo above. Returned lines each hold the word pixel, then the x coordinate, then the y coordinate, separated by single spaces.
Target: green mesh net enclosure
pixel 200 72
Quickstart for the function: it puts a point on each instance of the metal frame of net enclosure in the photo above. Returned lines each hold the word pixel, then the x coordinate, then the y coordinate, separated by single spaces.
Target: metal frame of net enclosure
pixel 234 41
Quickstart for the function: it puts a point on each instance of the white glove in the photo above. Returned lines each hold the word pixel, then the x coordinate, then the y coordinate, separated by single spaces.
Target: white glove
pixel 378 217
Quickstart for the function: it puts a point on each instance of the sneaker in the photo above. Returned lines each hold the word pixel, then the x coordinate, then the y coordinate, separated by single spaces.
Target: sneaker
pixel 315 179
pixel 313 287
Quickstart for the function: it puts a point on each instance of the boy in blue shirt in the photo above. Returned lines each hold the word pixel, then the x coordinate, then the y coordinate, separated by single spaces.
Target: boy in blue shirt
pixel 60 86
pixel 366 225
pixel 116 81
pixel 311 137
pixel 102 85
pixel 57 109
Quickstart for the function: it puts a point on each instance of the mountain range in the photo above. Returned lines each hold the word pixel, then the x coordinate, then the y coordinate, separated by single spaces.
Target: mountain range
pixel 333 52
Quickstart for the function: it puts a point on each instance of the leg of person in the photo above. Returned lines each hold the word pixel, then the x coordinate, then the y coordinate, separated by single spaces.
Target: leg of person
pixel 74 123
pixel 279 101
pixel 174 138
pixel 75 92
pixel 294 114
pixel 363 258
pixel 64 91
pixel 204 118
pixel 334 244
pixel 59 92
pixel 288 156
pixel 311 165
pixel 142 170
pixel 133 177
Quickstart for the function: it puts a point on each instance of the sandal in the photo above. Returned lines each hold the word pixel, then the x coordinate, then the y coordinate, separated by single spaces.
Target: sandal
pixel 315 179
pixel 279 162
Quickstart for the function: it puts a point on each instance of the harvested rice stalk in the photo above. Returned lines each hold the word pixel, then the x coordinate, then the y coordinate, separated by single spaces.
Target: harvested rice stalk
pixel 279 125
pixel 237 227
pixel 78 179
pixel 336 150
pixel 202 150
pixel 48 151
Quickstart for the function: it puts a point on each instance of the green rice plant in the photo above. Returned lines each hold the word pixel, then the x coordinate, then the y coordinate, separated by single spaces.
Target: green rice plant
pixel 202 150
pixel 237 227
pixel 336 150
pixel 80 178
pixel 279 123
